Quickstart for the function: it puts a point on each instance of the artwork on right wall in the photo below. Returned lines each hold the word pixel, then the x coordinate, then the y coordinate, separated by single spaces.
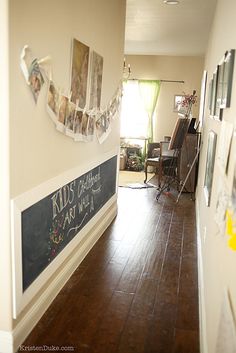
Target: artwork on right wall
pixel 233 195
pixel 224 145
pixel 227 78
pixel 221 85
pixel 210 161
pixel 203 98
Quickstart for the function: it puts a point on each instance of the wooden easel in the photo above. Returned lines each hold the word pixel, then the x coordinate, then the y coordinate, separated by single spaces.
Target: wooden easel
pixel 190 170
pixel 176 143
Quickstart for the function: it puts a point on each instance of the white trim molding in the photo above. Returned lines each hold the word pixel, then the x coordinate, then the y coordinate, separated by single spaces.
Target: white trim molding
pixel 201 293
pixel 6 342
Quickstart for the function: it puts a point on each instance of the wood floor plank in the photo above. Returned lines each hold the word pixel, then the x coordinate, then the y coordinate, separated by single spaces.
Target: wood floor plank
pixel 107 336
pixel 186 341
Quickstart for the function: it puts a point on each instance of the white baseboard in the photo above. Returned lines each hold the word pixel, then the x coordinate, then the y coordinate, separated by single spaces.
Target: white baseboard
pixel 201 295
pixel 6 342
pixel 11 341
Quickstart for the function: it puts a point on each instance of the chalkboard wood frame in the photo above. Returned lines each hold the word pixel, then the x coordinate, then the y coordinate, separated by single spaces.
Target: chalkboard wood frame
pixel 22 297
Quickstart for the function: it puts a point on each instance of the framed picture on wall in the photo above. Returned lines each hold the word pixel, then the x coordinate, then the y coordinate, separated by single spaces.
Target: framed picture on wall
pixel 96 80
pixel 213 94
pixel 233 194
pixel 79 72
pixel 210 94
pixel 202 99
pixel 210 161
pixel 219 91
pixel 178 99
pixel 228 69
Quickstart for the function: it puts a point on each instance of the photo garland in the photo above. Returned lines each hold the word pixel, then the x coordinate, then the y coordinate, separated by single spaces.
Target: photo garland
pixel 70 118
pixel 81 124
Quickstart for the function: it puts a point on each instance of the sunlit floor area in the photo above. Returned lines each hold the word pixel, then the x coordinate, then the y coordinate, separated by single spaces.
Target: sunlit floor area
pixel 127 177
pixel 137 290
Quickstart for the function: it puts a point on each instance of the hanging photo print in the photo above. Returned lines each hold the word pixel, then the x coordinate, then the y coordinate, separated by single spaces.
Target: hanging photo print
pixel 79 74
pixel 62 113
pixel 91 127
pixel 85 119
pixel 78 125
pixel 103 127
pixel 35 79
pixel 69 121
pixel 53 101
pixel 96 81
pixel 113 107
pixel 32 72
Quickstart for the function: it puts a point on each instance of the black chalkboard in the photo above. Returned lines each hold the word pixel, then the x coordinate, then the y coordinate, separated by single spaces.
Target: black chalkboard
pixel 51 223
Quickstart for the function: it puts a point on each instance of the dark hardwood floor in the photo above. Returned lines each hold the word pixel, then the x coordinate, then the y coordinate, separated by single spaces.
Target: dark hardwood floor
pixel 136 291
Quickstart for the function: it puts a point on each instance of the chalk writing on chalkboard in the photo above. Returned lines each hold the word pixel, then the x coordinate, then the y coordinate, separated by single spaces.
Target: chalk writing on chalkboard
pixel 51 223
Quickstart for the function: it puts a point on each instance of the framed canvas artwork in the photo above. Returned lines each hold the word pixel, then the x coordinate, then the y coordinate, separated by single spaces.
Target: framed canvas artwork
pixel 79 73
pixel 219 91
pixel 96 80
pixel 227 78
pixel 202 99
pixel 213 94
pixel 178 99
pixel 210 161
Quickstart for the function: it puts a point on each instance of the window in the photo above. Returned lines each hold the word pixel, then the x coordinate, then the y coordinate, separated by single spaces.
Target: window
pixel 134 117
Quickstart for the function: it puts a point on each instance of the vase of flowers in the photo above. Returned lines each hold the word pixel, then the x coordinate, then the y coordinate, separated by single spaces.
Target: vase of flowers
pixel 186 104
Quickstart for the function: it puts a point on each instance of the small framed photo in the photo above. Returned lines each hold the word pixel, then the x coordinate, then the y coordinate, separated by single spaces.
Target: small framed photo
pixel 219 91
pixel 213 94
pixel 203 96
pixel 210 161
pixel 210 95
pixel 178 99
pixel 227 78
pixel 233 194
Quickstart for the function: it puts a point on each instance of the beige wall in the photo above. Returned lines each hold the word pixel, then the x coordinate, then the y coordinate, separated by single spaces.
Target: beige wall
pixel 5 261
pixel 218 261
pixel 38 152
pixel 187 69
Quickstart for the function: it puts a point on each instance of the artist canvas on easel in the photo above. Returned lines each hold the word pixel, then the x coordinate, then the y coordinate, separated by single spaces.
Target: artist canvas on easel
pixel 179 133
pixel 79 73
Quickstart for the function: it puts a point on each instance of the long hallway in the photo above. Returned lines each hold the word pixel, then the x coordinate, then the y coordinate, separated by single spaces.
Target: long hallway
pixel 136 291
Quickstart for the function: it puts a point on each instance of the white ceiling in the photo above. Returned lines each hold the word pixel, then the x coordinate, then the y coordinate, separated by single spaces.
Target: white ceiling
pixel 154 28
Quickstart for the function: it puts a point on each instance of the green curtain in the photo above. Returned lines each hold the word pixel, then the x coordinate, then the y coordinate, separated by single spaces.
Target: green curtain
pixel 149 92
